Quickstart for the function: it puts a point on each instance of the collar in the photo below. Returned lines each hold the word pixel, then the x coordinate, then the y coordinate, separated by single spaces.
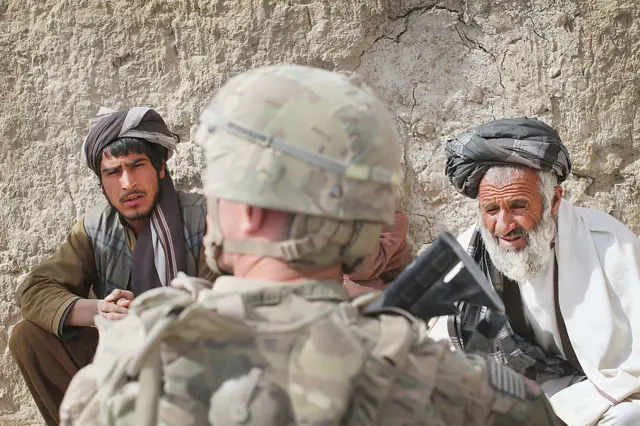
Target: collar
pixel 309 289
pixel 226 284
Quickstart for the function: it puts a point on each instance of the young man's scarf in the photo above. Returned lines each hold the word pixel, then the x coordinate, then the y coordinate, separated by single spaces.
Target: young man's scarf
pixel 160 250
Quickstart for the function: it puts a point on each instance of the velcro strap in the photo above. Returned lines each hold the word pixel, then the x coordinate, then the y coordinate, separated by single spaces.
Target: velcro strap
pixel 332 165
pixel 148 365
pixel 321 290
pixel 291 249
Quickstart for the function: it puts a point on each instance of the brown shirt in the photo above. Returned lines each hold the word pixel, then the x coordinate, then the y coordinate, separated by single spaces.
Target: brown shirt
pixel 389 258
pixel 67 276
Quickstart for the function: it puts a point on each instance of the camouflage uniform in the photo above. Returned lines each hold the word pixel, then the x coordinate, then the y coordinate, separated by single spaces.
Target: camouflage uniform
pixel 321 146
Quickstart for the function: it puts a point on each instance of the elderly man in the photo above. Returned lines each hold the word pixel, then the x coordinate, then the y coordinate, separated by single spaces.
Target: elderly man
pixel 569 276
pixel 146 233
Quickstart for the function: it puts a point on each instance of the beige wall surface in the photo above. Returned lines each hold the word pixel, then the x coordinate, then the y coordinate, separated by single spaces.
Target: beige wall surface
pixel 442 67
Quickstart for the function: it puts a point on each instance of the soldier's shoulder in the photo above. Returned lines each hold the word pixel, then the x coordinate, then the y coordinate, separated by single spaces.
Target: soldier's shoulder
pixel 448 386
pixel 489 391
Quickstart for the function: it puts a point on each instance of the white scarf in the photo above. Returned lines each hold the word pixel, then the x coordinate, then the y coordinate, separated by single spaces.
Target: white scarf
pixel 599 297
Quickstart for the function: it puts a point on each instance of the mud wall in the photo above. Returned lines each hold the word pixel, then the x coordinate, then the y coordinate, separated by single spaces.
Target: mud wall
pixel 442 67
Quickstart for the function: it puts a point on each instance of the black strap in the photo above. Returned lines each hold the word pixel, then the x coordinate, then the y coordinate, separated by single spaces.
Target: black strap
pixel 569 353
pixel 513 303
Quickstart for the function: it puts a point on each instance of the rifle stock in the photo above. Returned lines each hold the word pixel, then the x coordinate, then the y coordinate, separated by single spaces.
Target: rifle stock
pixel 437 281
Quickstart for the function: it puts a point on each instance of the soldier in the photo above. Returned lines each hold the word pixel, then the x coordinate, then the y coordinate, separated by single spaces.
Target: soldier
pixel 302 166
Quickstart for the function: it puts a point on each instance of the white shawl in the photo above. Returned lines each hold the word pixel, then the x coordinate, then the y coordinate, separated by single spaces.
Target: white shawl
pixel 599 296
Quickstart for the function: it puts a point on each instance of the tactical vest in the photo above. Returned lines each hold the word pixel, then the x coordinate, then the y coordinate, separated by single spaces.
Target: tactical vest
pixel 192 356
pixel 112 255
pixel 284 355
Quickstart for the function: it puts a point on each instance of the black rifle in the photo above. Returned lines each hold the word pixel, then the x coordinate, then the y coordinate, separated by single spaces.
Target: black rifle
pixel 441 277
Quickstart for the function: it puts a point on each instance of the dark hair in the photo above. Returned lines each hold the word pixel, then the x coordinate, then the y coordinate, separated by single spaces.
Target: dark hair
pixel 123 146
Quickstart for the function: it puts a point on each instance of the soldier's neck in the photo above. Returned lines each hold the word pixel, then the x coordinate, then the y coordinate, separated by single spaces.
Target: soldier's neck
pixel 271 269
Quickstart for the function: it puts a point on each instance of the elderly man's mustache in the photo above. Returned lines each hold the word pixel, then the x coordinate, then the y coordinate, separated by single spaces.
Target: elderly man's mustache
pixel 517 232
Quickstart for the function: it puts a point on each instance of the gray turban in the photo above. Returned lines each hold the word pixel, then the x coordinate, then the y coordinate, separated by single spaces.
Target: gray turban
pixel 508 142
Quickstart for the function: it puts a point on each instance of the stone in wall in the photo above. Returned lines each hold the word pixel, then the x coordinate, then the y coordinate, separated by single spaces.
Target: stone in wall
pixel 442 67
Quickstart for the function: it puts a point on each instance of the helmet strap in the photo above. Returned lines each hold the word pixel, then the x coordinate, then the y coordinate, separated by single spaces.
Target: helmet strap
pixel 351 241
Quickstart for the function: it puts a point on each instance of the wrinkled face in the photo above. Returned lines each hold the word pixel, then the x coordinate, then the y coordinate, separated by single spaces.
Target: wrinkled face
pixel 511 209
pixel 131 184
pixel 518 221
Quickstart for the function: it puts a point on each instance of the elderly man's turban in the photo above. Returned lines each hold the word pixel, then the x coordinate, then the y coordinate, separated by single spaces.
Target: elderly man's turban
pixel 507 142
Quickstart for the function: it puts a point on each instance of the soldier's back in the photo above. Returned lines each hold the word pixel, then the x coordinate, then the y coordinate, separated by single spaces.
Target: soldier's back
pixel 286 355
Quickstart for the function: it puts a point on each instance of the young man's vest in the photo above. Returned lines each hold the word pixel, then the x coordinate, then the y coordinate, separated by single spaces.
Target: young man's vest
pixel 112 255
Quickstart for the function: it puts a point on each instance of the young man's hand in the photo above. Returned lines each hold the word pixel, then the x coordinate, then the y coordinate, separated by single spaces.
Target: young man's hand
pixel 113 307
pixel 116 305
pixel 120 297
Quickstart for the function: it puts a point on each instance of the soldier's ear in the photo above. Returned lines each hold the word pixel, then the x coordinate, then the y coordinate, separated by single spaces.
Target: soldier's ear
pixel 254 218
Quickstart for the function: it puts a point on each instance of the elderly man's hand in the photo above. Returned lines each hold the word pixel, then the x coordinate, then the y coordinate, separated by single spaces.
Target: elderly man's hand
pixel 116 305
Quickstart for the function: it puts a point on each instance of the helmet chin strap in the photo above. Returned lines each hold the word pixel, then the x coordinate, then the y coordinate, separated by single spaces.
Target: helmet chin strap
pixel 213 239
pixel 327 243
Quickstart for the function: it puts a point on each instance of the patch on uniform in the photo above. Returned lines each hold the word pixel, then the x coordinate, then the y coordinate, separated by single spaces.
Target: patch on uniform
pixel 506 381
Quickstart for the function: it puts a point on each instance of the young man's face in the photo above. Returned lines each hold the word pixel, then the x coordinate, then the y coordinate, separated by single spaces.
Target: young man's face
pixel 131 184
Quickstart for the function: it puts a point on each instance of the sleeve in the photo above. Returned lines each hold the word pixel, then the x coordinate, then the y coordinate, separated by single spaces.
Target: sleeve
pixel 487 393
pixel 389 258
pixel 57 283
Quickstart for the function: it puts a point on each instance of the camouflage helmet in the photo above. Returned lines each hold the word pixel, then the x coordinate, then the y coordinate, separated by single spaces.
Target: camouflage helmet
pixel 303 140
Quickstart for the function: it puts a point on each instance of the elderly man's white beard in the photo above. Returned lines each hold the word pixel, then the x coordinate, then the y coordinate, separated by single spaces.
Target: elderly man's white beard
pixel 527 263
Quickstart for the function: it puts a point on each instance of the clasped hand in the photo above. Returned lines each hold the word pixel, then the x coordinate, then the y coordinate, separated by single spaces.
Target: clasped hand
pixel 116 305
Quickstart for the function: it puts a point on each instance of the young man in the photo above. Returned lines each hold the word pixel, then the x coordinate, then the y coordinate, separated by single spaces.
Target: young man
pixel 302 167
pixel 569 276
pixel 139 240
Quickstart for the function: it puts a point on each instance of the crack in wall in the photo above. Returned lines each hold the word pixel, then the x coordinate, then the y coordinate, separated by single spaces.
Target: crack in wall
pixel 424 217
pixel 309 17
pixel 533 26
pixel 413 95
pixel 472 44
pixel 406 16
pixel 67 189
pixel 174 38
pixel 466 39
pixel 549 7
pixel 407 169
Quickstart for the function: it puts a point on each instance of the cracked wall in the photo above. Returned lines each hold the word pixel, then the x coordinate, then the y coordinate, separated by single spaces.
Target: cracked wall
pixel 442 67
